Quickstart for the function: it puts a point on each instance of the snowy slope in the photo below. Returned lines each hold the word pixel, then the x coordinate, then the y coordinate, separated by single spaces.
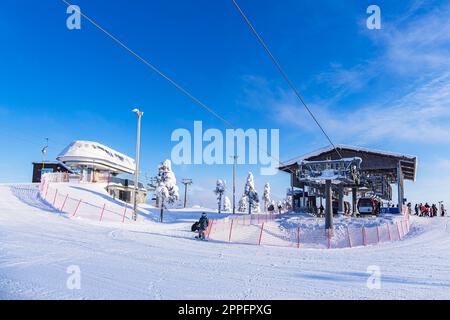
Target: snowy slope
pixel 148 260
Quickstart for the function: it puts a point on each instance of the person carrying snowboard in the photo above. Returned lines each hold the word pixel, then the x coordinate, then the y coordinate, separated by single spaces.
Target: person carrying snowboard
pixel 202 226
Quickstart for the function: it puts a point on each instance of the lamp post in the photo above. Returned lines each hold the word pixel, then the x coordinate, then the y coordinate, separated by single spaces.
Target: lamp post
pixel 44 153
pixel 136 172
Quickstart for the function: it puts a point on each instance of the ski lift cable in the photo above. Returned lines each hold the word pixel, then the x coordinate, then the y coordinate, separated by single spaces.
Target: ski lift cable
pixel 151 66
pixel 275 61
pixel 163 75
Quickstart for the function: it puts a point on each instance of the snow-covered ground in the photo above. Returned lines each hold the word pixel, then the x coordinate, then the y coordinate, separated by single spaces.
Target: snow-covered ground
pixel 150 260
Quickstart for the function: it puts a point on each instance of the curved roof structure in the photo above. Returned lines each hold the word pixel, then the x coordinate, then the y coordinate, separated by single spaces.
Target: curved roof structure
pixel 375 161
pixel 93 154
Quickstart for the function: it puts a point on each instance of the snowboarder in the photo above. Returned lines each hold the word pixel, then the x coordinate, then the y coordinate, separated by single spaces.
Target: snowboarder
pixel 202 226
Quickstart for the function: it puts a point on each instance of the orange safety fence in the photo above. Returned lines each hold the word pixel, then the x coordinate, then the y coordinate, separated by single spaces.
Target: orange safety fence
pixel 64 203
pixel 265 230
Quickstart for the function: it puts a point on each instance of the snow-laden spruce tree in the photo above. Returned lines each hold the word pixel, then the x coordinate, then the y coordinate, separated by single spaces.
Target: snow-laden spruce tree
pixel 266 196
pixel 243 204
pixel 226 204
pixel 252 195
pixel 219 191
pixel 167 189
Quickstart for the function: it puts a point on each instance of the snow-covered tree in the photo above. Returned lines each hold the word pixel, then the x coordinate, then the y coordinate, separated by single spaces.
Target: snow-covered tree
pixel 252 195
pixel 266 196
pixel 226 204
pixel 167 189
pixel 243 204
pixel 219 191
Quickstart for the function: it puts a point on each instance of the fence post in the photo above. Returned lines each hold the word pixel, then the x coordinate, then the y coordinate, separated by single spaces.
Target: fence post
pixel 298 237
pixel 398 230
pixel 349 239
pixel 64 203
pixel 124 213
pixel 389 231
pixel 103 210
pixel 54 199
pixel 364 235
pixel 231 229
pixel 260 235
pixel 46 191
pixel 378 234
pixel 76 209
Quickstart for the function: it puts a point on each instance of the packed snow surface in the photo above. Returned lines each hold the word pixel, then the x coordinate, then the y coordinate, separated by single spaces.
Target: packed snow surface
pixel 150 260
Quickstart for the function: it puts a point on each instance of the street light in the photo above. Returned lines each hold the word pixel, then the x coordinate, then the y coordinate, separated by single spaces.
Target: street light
pixel 44 153
pixel 136 172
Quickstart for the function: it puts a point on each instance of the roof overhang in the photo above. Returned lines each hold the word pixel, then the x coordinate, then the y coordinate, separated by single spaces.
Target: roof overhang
pixel 407 163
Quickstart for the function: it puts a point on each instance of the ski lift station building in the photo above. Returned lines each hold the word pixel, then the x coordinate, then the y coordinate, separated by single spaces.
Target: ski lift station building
pixel 97 163
pixel 92 158
pixel 379 170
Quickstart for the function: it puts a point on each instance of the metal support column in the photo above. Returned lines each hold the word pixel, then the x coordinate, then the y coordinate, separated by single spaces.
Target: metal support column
pixel 400 190
pixel 354 209
pixel 341 200
pixel 328 205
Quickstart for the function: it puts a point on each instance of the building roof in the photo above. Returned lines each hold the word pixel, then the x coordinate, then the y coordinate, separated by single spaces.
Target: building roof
pixel 94 154
pixel 51 163
pixel 408 163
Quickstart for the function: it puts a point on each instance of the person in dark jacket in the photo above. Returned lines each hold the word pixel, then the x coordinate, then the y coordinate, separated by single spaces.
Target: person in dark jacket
pixel 416 209
pixel 427 208
pixel 434 210
pixel 202 226
pixel 321 210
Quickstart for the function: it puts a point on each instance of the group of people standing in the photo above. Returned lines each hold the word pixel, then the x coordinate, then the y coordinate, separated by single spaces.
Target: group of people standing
pixel 425 210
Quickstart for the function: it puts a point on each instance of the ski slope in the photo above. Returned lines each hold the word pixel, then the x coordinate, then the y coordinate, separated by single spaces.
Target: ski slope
pixel 150 260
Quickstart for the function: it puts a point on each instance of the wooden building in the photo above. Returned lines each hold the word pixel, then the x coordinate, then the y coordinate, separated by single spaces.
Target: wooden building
pixel 39 168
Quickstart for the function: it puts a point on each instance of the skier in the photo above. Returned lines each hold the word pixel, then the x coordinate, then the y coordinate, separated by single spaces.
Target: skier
pixel 202 225
pixel 427 208
pixel 416 209
pixel 442 210
pixel 434 210
pixel 279 207
pixel 409 207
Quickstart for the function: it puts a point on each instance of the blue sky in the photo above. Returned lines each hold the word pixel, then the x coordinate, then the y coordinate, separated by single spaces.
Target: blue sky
pixel 387 89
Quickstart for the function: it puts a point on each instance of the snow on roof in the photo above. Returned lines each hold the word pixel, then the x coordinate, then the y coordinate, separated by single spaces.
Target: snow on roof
pixel 89 153
pixel 344 146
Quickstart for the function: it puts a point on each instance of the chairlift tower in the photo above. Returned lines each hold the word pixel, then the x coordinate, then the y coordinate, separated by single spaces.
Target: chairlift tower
pixel 345 171
pixel 186 182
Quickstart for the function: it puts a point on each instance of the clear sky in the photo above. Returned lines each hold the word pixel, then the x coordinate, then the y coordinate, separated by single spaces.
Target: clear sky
pixel 386 89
